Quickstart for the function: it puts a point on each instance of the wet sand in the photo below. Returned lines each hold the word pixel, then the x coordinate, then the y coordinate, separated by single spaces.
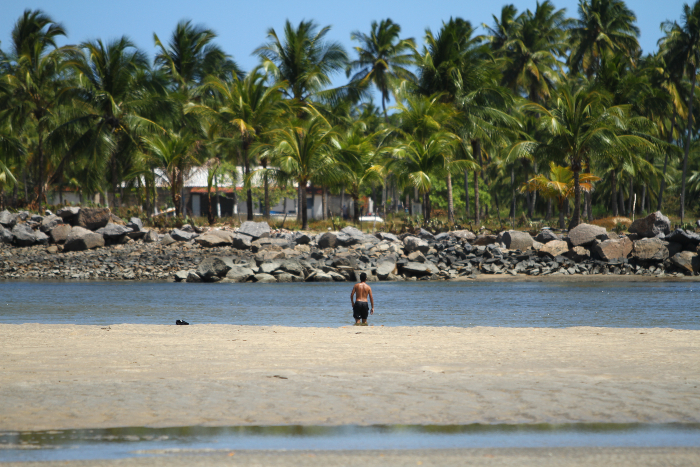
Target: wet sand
pixel 70 376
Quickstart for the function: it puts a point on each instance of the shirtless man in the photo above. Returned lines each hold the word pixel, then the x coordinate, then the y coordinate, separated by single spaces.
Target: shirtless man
pixel 359 306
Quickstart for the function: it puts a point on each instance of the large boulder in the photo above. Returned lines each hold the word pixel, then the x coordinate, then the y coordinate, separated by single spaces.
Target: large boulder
pixel 419 269
pixel 5 235
pixel 517 240
pixel 554 248
pixel 239 274
pixel 60 233
pixel 81 239
pixel 113 233
pixel 546 236
pixel 182 236
pixel 151 237
pixel 687 261
pixel 7 219
pixel 211 268
pixel 300 238
pixel 650 249
pixel 613 250
pixel 135 224
pixel 586 234
pixel 412 244
pixel 385 268
pixel 241 242
pixel 41 238
pixel 167 240
pixel 328 240
pixel 425 235
pixel 358 236
pixel 293 266
pixel 268 267
pixel 387 236
pixel 651 225
pixel 463 235
pixel 266 242
pixel 49 222
pixel 69 214
pixel 215 238
pixel 24 235
pixel 264 278
pixel 93 218
pixel 684 237
pixel 255 229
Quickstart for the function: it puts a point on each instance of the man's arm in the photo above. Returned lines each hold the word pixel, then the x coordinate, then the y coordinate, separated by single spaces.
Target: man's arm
pixel 371 299
pixel 352 303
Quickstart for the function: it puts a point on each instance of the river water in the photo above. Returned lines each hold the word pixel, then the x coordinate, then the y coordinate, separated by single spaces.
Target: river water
pixel 529 304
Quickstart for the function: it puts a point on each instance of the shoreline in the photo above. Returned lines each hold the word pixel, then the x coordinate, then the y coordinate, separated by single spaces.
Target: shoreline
pixel 79 376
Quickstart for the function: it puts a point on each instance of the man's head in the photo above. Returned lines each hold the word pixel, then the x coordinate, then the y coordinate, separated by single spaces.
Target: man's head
pixel 363 277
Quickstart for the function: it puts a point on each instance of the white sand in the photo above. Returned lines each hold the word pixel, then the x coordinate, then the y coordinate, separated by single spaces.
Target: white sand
pixel 68 376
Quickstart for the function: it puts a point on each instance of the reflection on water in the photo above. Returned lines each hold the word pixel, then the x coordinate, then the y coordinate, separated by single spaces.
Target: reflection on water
pixel 532 304
pixel 128 442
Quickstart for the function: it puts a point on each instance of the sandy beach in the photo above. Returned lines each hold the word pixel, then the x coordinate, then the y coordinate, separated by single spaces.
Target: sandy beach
pixel 70 376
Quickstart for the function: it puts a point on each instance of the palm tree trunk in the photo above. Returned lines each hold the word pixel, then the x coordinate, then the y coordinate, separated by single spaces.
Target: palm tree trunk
pixel 642 204
pixel 355 206
pixel 323 202
pixel 576 218
pixel 466 194
pixel 476 150
pixel 426 208
pixel 622 199
pixel 342 202
pixel 562 224
pixel 248 192
pixel 266 189
pixel 384 197
pixel 549 209
pixel 299 206
pixel 613 189
pixel 663 179
pixel 40 191
pixel 687 145
pixel 304 213
pixel 450 200
pixel 631 200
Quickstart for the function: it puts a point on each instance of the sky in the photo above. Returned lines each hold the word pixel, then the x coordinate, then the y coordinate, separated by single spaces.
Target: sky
pixel 242 26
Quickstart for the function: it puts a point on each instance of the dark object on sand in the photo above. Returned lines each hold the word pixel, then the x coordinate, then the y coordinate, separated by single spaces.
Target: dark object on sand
pixel 181 323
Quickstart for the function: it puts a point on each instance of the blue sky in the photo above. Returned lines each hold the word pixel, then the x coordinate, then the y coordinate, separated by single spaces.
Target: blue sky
pixel 242 26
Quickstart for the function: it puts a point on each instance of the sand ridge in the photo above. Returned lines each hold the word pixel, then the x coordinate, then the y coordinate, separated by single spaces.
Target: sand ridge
pixel 74 376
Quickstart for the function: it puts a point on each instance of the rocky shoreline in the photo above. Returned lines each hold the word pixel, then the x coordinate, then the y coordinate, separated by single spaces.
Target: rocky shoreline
pixel 92 244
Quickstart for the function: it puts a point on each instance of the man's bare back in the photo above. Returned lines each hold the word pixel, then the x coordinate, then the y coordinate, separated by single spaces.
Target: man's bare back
pixel 359 307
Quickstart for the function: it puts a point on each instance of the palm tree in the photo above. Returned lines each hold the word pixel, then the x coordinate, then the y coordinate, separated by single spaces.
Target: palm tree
pixel 35 75
pixel 559 186
pixel 681 49
pixel 604 27
pixel 383 57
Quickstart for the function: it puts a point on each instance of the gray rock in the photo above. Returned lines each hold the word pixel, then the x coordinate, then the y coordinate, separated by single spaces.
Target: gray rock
pixel 69 214
pixel 463 235
pixel 484 240
pixel 24 235
pixel 255 229
pixel 182 236
pixel 212 267
pixel 167 240
pixel 239 274
pixel 215 238
pixel 546 236
pixel 293 266
pixel 651 225
pixel 614 250
pixel 300 238
pixel 81 239
pixel 7 219
pixel 586 234
pixel 554 248
pixel 425 235
pixel 48 223
pixel 193 277
pixel 416 257
pixel 60 233
pixel 419 269
pixel 412 244
pixel 135 224
pixel 93 218
pixel 241 242
pixel 23 215
pixel 579 253
pixel 113 233
pixel 151 237
pixel 650 249
pixel 328 240
pixel 688 261
pixel 320 276
pixel 387 236
pixel 5 235
pixel 517 240
pixel 41 238
pixel 352 236
pixel 385 268
pixel 188 228
pixel 264 278
pixel 673 248
pixel 36 218
pixel 270 267
pixel 685 238
pixel 266 242
pixel 181 276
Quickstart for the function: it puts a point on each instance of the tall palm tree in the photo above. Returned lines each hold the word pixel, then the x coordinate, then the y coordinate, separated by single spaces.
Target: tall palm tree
pixel 383 57
pixel 603 27
pixel 681 48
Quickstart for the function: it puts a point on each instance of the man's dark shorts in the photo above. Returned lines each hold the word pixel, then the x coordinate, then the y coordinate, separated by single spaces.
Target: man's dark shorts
pixel 360 310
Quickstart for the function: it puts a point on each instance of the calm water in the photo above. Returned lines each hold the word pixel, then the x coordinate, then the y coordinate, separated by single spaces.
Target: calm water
pixel 536 304
pixel 130 442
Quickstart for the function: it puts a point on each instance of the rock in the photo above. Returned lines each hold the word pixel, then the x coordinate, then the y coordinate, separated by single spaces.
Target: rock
pixel 614 250
pixel 419 269
pixel 93 218
pixel 463 235
pixel 5 235
pixel 167 240
pixel 255 229
pixel 215 238
pixel 546 236
pixel 81 239
pixel 687 261
pixel 483 240
pixel 352 236
pixel 517 240
pixel 673 248
pixel 264 278
pixel 685 238
pixel 23 215
pixel 151 237
pixel 269 267
pixel 49 222
pixel 212 267
pixel 266 242
pixel 135 224
pixel 7 219
pixel 41 238
pixel 412 244
pixel 116 220
pixel 300 238
pixel 188 228
pixel 387 236
pixel 239 274
pixel 69 214
pixel 320 276
pixel 586 234
pixel 193 277
pixel 347 261
pixel 23 235
pixel 425 235
pixel 52 250
pixel 651 225
pixel 579 253
pixel 554 248
pixel 181 276
pixel 417 257
pixel 328 240
pixel 650 249
pixel 182 236
pixel 385 268
pixel 537 245
pixel 113 233
pixel 60 233
pixel 293 266
pixel 241 242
